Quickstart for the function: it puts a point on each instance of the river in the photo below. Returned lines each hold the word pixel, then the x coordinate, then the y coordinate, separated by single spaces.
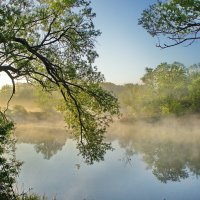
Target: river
pixel 151 160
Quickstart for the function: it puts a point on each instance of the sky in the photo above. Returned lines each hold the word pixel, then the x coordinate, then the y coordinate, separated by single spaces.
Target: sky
pixel 125 49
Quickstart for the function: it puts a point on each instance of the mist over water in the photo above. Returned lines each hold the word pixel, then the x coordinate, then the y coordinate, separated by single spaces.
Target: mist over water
pixel 161 158
pixel 158 156
pixel 177 129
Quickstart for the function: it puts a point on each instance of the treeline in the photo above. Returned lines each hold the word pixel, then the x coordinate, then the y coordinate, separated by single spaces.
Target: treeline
pixel 30 104
pixel 28 97
pixel 168 89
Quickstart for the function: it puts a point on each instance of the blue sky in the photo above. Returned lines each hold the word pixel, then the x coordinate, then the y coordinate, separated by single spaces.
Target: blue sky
pixel 125 48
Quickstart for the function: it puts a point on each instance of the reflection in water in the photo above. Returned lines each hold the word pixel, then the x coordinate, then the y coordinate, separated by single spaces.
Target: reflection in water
pixel 46 139
pixel 170 147
pixel 92 147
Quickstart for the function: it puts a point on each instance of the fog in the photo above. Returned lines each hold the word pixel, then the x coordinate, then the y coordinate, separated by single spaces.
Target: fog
pixel 177 129
pixel 169 146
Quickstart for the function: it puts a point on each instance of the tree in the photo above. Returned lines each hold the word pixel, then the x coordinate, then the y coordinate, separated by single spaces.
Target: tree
pixel 168 83
pixel 177 20
pixel 194 93
pixel 52 44
pixel 9 166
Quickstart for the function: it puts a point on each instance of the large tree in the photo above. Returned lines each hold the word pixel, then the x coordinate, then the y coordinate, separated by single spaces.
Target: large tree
pixel 52 44
pixel 168 86
pixel 178 21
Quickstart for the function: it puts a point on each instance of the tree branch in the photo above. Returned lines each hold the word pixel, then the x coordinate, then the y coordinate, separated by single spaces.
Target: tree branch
pixel 13 89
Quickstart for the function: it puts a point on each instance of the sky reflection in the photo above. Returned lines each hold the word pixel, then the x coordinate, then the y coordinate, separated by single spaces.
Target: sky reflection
pixel 161 164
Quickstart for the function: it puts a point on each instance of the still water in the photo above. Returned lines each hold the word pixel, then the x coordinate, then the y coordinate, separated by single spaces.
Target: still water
pixel 153 161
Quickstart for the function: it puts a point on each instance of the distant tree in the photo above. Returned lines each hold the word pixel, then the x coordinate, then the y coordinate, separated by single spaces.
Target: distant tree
pixel 5 92
pixel 52 44
pixel 165 75
pixel 194 93
pixel 168 85
pixel 45 101
pixel 132 100
pixel 177 20
pixel 194 71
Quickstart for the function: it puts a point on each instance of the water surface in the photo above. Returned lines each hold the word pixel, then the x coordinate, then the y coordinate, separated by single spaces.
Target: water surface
pixel 151 161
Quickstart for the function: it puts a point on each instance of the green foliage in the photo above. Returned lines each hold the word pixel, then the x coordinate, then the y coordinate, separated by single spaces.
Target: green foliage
pixel 169 89
pixel 45 100
pixel 5 92
pixel 194 89
pixel 90 119
pixel 9 166
pixel 25 92
pixel 31 196
pixel 168 84
pixel 51 44
pixel 176 20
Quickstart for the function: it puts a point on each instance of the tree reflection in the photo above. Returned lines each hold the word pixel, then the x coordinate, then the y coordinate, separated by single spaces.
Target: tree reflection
pixel 47 140
pixel 93 150
pixel 171 152
pixel 48 148
pixel 47 131
pixel 166 162
pixel 170 148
